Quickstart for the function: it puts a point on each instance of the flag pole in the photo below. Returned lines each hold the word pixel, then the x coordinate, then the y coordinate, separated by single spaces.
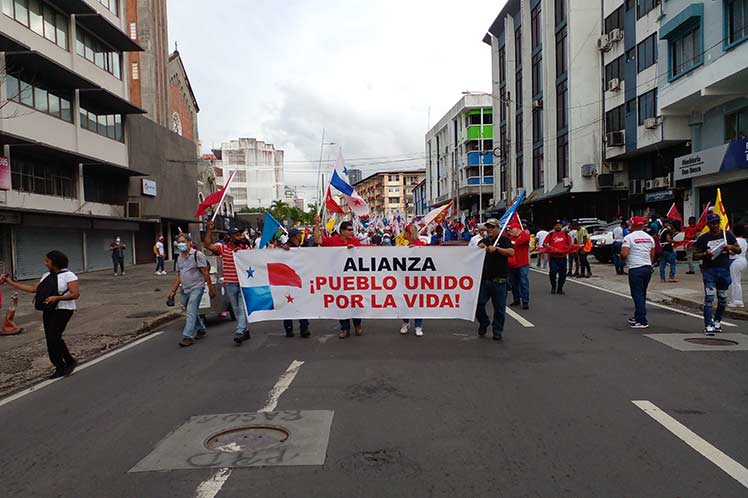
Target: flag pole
pixel 225 191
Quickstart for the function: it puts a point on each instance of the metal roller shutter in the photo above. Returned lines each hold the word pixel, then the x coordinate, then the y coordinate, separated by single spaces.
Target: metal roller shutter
pixel 33 243
pixel 98 256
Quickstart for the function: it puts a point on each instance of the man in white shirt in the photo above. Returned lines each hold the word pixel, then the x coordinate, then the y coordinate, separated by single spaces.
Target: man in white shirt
pixel 638 251
pixel 539 239
pixel 160 254
pixel 480 234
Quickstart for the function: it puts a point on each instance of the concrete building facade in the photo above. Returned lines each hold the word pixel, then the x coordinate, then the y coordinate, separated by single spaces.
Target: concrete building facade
pixel 183 106
pixel 259 178
pixel 391 191
pixel 458 158
pixel 64 174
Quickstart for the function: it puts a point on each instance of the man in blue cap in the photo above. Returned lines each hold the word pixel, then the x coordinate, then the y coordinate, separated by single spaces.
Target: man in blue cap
pixel 713 249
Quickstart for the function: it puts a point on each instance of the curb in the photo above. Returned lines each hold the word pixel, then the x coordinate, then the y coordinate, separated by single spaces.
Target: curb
pixel 730 313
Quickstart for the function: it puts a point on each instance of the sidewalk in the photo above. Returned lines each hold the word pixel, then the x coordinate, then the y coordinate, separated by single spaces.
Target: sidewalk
pixel 111 311
pixel 688 292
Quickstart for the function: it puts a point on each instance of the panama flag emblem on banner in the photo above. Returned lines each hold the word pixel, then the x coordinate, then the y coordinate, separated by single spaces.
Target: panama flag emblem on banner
pixel 265 285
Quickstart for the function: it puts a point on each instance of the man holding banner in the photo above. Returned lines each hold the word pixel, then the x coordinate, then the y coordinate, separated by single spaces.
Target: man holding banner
pixel 493 284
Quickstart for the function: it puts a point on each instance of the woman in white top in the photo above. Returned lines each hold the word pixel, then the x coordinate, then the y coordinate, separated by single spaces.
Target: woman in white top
pixel 58 308
pixel 737 267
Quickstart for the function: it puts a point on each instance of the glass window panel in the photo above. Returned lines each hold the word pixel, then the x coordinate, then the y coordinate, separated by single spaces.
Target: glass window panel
pixel 54 105
pixel 49 23
pixel 22 12
pixel 35 17
pixel 11 85
pixel 118 127
pixel 65 110
pixel 83 117
pixel 110 126
pixel 62 31
pixel 27 94
pixel 99 58
pixel 40 100
pixel 8 7
pixel 92 122
pixel 102 125
pixel 79 43
pixel 743 123
pixel 688 51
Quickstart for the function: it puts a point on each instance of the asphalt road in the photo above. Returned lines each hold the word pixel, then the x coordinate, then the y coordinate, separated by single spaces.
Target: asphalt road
pixel 548 412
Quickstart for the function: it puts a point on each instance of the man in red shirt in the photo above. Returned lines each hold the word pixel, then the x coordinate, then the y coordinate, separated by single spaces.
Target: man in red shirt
pixel 557 245
pixel 346 238
pixel 230 277
pixel 519 266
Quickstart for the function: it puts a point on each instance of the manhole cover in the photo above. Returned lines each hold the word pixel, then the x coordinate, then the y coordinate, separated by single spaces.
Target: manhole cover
pixel 250 438
pixel 145 314
pixel 708 341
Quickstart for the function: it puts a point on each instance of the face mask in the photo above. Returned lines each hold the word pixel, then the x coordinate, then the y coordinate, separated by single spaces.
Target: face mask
pixel 117 240
pixel 386 241
pixel 182 246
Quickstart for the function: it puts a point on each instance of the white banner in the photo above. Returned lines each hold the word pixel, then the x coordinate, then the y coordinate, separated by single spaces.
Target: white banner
pixel 363 282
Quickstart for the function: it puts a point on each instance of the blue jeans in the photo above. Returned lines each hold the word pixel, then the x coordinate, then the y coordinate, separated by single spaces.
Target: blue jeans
pixel 668 258
pixel 520 281
pixel 159 263
pixel 237 306
pixel 638 282
pixel 617 259
pixel 496 292
pixel 191 302
pixel 419 322
pixel 557 269
pixel 716 281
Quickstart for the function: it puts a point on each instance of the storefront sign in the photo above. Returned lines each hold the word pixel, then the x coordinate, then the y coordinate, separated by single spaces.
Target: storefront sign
pixel 150 188
pixel 663 195
pixel 5 183
pixel 714 160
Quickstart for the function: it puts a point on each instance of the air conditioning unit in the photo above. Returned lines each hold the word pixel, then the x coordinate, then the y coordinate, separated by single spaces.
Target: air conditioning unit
pixel 615 167
pixel 650 123
pixel 605 180
pixel 637 186
pixel 614 84
pixel 537 104
pixel 567 182
pixel 670 181
pixel 660 182
pixel 615 35
pixel 615 138
pixel 133 210
pixel 588 170
pixel 603 43
pixel 649 184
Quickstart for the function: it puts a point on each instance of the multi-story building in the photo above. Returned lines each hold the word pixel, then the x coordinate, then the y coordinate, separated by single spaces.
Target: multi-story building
pixel 259 171
pixel 704 87
pixel 459 156
pixel 391 191
pixel 546 82
pixel 420 198
pixel 640 142
pixel 355 175
pixel 183 108
pixel 64 174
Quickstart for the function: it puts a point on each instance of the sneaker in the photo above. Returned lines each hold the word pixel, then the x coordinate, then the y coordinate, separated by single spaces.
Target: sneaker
pixel 525 306
pixel 709 330
pixel 57 374
pixel 344 334
pixel 690 273
pixel 304 333
pixel 186 342
pixel 419 332
pixel 514 303
pixel 553 291
pixel 158 273
pixel 238 339
pixel 673 280
pixel 497 337
pixel 359 330
pixel 588 275
pixel 123 273
pixel 482 330
pixel 404 329
pixel 735 305
pixel 200 334
pixel 638 325
pixel 632 321
pixel 70 368
pixel 246 336
pixel 289 333
pixel 560 291
pixel 717 326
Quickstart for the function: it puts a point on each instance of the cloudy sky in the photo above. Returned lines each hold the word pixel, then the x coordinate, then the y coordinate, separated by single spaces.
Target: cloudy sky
pixel 369 72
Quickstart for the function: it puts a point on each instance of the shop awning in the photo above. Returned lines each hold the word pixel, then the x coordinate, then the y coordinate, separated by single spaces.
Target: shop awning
pixel 101 27
pixel 37 67
pixel 103 101
pixel 556 191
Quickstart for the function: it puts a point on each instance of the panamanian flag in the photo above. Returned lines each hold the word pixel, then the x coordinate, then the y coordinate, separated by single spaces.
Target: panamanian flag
pixel 267 286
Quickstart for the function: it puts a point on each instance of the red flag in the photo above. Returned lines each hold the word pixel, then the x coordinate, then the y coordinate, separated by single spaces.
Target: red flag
pixel 214 198
pixel 330 205
pixel 674 214
pixel 693 232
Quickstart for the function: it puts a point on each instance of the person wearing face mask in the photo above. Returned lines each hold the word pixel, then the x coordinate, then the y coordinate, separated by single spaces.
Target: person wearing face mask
pixel 225 250
pixel 118 255
pixel 386 240
pixel 193 275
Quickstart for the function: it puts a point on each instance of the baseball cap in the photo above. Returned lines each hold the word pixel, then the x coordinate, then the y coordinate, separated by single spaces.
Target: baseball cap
pixel 637 221
pixel 491 221
pixel 235 230
pixel 293 232
pixel 713 217
pixel 558 222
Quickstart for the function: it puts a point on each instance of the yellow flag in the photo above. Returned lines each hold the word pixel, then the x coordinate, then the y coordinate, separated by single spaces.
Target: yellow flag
pixel 719 209
pixel 330 225
pixel 400 239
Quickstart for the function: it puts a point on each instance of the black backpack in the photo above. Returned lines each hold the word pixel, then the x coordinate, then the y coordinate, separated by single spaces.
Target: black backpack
pixel 47 287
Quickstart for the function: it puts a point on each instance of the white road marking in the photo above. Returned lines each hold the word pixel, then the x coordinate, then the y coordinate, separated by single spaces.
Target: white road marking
pixel 522 320
pixel 708 451
pixel 650 303
pixel 211 487
pixel 83 366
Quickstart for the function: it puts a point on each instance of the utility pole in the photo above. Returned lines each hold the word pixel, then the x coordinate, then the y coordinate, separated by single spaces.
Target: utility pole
pixel 481 160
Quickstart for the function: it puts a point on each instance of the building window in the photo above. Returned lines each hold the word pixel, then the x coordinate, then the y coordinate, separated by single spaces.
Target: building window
pixel 394 200
pixel 518 48
pixel 647 105
pixel 560 11
pixel 133 31
pixel 614 119
pixel 518 134
pixel 647 52
pixel 518 173
pixel 537 75
pixel 111 5
pixel 394 178
pixel 43 176
pixel 736 125
pixel 562 157
pixel 106 125
pixel 737 21
pixel 536 28
pixel 537 126
pixel 54 103
pixel 614 20
pixel 240 176
pixel 41 18
pixel 239 194
pixel 96 51
pixel 561 54
pixel 135 71
pixel 645 6
pixel 518 91
pixel 614 70
pixel 538 169
pixel 685 52
pixel 502 66
pixel 630 106
pixel 561 106
pixel 631 55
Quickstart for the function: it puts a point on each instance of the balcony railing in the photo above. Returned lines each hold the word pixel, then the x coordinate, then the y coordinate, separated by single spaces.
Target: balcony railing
pixel 475 180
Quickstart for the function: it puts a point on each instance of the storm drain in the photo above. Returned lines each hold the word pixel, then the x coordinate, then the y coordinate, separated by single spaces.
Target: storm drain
pixel 257 439
pixel 700 342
